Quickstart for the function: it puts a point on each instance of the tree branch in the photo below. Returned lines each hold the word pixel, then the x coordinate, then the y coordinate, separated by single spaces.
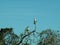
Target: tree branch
pixel 25 36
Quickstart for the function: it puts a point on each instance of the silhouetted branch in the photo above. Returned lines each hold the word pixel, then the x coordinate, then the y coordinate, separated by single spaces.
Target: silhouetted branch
pixel 25 36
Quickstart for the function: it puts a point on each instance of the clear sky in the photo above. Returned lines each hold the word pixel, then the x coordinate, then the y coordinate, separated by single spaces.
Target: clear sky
pixel 20 13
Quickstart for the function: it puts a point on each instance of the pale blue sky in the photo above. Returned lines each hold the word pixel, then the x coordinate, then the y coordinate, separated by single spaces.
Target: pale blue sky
pixel 20 13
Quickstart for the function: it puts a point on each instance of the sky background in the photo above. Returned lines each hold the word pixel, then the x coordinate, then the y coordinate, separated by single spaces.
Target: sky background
pixel 21 13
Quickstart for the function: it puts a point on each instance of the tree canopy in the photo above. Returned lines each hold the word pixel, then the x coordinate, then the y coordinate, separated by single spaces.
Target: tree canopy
pixel 46 37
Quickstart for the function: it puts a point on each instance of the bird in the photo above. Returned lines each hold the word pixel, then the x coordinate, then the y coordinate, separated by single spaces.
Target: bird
pixel 27 30
pixel 35 20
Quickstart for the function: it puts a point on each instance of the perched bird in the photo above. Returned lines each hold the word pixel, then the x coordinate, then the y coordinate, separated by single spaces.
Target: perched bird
pixel 27 30
pixel 35 20
pixel 35 23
